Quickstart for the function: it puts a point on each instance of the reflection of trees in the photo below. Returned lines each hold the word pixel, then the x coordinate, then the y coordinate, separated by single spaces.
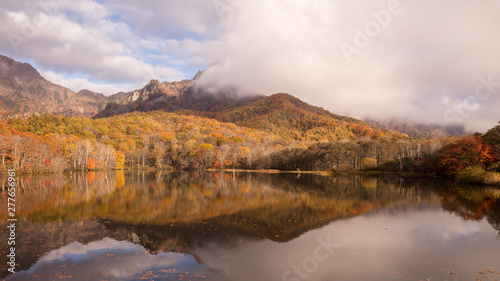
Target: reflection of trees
pixel 176 212
pixel 494 219
pixel 465 209
pixel 52 193
pixel 182 197
pixel 32 192
pixel 277 206
pixel 474 203
pixel 269 205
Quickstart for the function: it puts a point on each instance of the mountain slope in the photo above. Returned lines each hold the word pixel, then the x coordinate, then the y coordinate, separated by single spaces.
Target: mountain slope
pixel 281 114
pixel 24 92
pixel 172 96
pixel 291 118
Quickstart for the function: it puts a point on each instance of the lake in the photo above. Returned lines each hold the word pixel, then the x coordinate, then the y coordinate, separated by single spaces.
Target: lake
pixel 251 226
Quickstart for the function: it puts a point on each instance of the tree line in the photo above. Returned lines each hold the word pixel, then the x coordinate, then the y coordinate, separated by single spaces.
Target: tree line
pixel 160 140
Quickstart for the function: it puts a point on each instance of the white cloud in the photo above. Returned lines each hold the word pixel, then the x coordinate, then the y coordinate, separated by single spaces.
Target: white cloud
pixel 427 51
pixel 77 249
pixel 366 246
pixel 69 42
pixel 427 48
pixel 169 17
pixel 77 84
pixel 94 257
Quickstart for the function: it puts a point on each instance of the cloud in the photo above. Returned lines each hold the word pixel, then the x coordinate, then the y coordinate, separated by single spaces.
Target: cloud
pixel 422 61
pixel 169 18
pixel 78 39
pixel 422 52
pixel 98 260
pixel 357 245
pixel 77 84
pixel 78 249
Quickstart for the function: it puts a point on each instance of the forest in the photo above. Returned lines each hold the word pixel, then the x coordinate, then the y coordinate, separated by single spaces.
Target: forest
pixel 159 140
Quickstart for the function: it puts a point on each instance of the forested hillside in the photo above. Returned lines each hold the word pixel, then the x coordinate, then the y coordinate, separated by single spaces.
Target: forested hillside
pixel 293 119
pixel 160 140
pixel 281 114
pixel 135 140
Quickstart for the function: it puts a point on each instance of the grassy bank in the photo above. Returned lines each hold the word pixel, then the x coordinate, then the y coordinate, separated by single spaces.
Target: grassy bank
pixel 478 175
pixel 324 173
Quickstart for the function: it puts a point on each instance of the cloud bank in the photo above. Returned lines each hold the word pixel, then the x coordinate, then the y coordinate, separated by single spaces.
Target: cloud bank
pixel 423 61
pixel 86 41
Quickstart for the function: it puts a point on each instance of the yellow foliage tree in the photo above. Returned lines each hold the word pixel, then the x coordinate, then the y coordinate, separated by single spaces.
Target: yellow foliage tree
pixel 369 164
pixel 245 156
pixel 120 161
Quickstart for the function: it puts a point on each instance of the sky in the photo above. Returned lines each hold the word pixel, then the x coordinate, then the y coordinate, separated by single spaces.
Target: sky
pixel 426 61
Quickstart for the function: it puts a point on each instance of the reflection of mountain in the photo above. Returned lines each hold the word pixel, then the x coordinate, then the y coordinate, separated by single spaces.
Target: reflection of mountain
pixel 179 238
pixel 35 239
pixel 182 212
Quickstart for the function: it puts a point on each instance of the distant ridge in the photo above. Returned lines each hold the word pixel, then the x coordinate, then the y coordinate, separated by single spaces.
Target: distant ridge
pixel 24 92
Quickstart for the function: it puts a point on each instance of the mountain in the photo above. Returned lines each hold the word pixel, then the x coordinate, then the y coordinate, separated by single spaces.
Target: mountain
pixel 290 118
pixel 282 114
pixel 172 96
pixel 24 92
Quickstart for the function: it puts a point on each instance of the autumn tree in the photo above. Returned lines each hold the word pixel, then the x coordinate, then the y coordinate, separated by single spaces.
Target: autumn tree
pixel 369 164
pixel 90 165
pixel 120 161
pixel 245 156
pixel 465 152
pixel 205 154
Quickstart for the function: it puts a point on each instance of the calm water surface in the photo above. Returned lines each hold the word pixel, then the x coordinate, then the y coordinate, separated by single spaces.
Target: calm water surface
pixel 243 226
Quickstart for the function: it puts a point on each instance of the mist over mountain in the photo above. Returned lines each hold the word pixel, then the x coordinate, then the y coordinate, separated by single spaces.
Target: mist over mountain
pixel 419 61
pixel 24 92
pixel 172 96
pixel 419 130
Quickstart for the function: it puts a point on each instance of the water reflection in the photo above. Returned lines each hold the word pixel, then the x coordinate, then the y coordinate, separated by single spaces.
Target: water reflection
pixel 243 226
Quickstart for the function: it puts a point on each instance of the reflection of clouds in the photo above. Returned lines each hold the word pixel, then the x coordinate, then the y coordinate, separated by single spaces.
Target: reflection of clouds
pixel 417 244
pixel 106 258
pixel 76 249
pixel 424 224
pixel 135 263
pixel 454 230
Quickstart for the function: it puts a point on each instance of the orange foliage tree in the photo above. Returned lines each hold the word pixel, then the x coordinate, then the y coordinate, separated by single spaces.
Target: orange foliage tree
pixel 90 165
pixel 465 152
